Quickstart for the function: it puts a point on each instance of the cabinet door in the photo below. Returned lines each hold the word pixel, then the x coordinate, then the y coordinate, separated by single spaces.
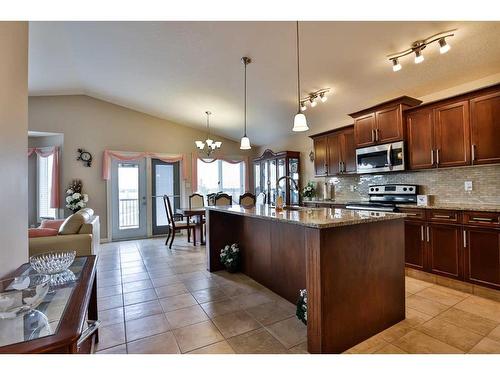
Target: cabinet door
pixel 389 125
pixel 320 156
pixel 485 128
pixel 415 244
pixel 482 256
pixel 348 151
pixel 257 178
pixel 419 127
pixel 364 127
pixel 451 134
pixel 445 250
pixel 333 154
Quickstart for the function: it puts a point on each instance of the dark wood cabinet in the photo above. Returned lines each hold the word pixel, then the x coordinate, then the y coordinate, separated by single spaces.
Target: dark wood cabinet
pixel 335 152
pixel 482 256
pixel 415 244
pixel 445 250
pixel 452 134
pixel 485 128
pixel 419 128
pixel 320 156
pixel 382 123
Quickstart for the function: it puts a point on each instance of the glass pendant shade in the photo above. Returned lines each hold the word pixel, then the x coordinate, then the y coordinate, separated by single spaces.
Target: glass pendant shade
pixel 200 145
pixel 300 123
pixel 245 143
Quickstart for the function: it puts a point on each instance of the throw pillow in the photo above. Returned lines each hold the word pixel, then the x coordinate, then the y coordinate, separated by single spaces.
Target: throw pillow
pixel 72 224
pixel 41 232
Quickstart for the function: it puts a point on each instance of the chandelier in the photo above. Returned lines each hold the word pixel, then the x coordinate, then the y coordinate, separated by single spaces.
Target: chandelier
pixel 209 145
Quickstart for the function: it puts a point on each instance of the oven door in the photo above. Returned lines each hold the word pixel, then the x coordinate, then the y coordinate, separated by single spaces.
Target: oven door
pixel 382 158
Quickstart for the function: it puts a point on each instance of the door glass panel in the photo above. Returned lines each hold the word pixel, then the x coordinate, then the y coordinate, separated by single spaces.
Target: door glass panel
pixel 128 196
pixel 283 183
pixel 272 180
pixel 256 176
pixel 294 174
pixel 165 181
pixel 265 179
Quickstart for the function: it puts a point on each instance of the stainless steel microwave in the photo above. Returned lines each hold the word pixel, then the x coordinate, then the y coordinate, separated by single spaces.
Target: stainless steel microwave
pixel 381 158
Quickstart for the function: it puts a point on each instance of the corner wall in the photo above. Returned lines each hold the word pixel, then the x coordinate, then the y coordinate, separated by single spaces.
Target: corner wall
pixel 13 145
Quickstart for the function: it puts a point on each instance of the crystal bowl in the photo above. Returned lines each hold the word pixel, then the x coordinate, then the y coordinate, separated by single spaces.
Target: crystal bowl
pixel 53 262
pixel 19 295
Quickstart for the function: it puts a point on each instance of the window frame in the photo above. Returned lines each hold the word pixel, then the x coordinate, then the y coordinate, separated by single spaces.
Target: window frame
pixel 220 176
pixel 49 192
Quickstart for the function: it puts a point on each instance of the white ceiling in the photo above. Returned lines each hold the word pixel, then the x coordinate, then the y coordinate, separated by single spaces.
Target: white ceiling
pixel 177 70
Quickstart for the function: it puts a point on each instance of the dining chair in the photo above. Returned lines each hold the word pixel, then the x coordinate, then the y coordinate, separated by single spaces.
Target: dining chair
pixel 261 198
pixel 223 199
pixel 196 201
pixel 174 225
pixel 247 199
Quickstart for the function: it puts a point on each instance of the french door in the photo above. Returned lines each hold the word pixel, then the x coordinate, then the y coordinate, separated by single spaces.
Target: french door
pixel 128 199
pixel 165 180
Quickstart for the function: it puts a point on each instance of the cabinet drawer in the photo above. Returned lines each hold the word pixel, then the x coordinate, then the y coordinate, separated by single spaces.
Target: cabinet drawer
pixel 413 213
pixel 444 216
pixel 488 219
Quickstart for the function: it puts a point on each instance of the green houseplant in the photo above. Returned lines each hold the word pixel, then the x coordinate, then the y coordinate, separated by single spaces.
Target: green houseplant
pixel 301 311
pixel 230 257
pixel 308 191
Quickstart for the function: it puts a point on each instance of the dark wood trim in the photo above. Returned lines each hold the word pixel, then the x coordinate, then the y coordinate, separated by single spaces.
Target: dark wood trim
pixel 327 132
pixel 269 154
pixel 402 100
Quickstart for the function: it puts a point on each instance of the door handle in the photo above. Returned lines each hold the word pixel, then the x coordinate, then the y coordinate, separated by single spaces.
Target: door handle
pixel 485 219
pixel 422 233
pixel 437 156
pixel 376 135
pixel 432 157
pixel 389 156
pixel 373 135
pixel 428 236
pixel 465 238
pixel 473 153
pixel 93 326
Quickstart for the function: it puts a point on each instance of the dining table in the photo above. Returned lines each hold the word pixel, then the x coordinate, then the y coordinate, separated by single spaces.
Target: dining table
pixel 195 212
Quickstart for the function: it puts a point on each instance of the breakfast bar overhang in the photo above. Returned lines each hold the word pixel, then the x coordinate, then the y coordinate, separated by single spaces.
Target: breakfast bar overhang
pixel 350 262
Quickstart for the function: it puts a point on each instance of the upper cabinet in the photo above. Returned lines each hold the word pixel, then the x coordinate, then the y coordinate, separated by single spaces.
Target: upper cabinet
pixel 382 123
pixel 455 132
pixel 485 128
pixel 334 152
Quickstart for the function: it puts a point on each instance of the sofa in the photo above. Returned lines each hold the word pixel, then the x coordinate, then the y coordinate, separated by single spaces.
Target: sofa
pixel 79 232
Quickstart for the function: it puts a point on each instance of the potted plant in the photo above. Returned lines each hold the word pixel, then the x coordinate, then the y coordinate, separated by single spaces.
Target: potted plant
pixel 301 311
pixel 308 191
pixel 230 257
pixel 75 200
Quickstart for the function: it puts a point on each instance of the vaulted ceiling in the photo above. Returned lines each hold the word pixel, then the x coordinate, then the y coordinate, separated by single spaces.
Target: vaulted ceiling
pixel 177 70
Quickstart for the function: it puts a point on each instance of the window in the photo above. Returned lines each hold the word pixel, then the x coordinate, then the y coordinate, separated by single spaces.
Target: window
pixel 221 176
pixel 45 187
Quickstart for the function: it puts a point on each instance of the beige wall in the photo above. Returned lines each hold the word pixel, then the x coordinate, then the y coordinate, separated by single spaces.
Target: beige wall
pixel 97 125
pixel 13 144
pixel 301 142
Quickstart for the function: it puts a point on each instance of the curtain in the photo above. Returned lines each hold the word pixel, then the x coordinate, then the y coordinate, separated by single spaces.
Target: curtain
pixel 234 160
pixel 45 152
pixel 129 156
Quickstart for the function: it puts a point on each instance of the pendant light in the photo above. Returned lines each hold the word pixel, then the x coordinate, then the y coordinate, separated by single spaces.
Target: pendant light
pixel 209 145
pixel 245 142
pixel 299 122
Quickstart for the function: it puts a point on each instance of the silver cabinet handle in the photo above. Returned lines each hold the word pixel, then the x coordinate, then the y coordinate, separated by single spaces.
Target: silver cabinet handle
pixel 485 219
pixel 373 135
pixel 93 326
pixel 442 216
pixel 376 135
pixel 465 238
pixel 422 233
pixel 473 153
pixel 432 157
pixel 428 236
pixel 437 156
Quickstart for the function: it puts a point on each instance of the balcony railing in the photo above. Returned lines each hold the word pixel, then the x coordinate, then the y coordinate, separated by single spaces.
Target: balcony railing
pixel 129 213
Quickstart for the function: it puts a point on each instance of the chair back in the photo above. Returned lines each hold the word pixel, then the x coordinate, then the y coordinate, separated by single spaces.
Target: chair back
pixel 168 209
pixel 223 199
pixel 261 198
pixel 196 201
pixel 247 199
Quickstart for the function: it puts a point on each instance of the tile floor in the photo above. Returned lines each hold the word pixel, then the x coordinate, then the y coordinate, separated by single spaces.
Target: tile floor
pixel 155 300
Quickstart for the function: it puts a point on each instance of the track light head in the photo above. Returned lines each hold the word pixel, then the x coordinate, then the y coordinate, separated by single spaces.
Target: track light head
pixel 396 66
pixel 443 46
pixel 323 97
pixel 303 106
pixel 419 57
pixel 313 101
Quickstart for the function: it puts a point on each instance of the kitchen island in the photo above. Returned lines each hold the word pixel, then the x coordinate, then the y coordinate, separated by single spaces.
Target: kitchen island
pixel 350 262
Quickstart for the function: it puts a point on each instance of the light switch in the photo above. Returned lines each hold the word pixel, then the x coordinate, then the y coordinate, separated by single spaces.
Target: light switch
pixel 468 185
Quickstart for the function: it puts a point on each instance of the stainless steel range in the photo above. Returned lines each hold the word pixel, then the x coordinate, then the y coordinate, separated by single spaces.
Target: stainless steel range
pixel 385 197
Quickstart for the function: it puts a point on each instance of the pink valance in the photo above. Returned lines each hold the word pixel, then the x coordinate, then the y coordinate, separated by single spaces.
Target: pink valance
pixel 129 156
pixel 234 160
pixel 45 152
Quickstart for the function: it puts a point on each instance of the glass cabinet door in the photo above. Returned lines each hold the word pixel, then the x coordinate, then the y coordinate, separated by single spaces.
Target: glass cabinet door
pixel 265 178
pixel 283 185
pixel 293 166
pixel 257 178
pixel 272 179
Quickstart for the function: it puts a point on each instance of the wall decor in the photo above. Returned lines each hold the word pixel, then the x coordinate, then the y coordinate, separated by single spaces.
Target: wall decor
pixel 311 156
pixel 85 156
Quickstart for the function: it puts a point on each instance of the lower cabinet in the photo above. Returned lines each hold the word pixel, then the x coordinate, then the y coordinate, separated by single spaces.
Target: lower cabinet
pixel 482 256
pixel 445 250
pixel 415 244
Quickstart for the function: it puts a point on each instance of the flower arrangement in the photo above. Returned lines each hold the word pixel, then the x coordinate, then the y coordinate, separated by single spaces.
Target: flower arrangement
pixel 308 190
pixel 230 257
pixel 301 311
pixel 75 200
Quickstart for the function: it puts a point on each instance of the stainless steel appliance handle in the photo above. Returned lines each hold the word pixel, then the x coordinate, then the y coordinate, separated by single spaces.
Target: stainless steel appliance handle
pixel 465 238
pixel 93 326
pixel 437 156
pixel 389 155
pixel 473 153
pixel 432 157
pixel 422 233
pixel 428 236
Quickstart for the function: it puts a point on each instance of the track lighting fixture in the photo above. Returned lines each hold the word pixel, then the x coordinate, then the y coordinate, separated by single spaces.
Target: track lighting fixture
pixel 418 46
pixel 314 98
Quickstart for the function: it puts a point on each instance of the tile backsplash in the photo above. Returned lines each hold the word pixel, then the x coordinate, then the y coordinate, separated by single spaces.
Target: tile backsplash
pixel 444 185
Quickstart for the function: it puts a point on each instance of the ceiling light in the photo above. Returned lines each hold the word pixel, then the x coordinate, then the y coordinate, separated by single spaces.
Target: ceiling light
pixel 313 102
pixel 323 97
pixel 418 56
pixel 443 46
pixel 245 141
pixel 210 143
pixel 303 106
pixel 299 121
pixel 396 66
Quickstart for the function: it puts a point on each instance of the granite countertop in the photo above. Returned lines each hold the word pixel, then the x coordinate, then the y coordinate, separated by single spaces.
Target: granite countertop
pixel 310 217
pixel 459 206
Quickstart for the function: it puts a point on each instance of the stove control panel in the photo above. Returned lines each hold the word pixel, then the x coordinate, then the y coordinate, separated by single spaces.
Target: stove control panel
pixel 392 189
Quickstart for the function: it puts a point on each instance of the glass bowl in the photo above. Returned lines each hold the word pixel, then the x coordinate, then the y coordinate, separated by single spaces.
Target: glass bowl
pixel 52 263
pixel 20 294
